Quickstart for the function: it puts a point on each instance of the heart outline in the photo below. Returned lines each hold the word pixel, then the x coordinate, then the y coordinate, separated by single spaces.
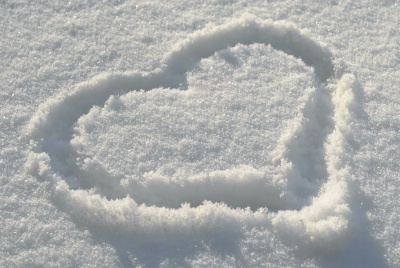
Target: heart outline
pixel 50 130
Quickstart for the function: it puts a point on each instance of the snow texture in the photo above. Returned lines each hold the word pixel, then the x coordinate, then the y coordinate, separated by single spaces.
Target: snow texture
pixel 251 142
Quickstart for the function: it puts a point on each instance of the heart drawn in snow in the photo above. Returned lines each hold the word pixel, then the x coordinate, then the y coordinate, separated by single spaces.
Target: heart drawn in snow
pixel 305 197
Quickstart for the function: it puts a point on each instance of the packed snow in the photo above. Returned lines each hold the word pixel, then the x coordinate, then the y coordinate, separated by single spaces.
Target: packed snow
pixel 212 134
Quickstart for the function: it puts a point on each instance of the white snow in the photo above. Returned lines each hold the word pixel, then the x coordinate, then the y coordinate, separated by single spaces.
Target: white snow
pixel 212 134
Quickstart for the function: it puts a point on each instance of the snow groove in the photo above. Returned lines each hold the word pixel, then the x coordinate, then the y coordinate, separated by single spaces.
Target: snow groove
pixel 305 202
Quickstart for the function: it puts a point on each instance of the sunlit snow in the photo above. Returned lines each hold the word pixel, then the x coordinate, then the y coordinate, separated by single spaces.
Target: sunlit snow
pixel 212 134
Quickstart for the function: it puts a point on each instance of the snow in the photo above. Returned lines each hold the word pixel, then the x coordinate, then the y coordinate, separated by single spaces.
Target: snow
pixel 204 134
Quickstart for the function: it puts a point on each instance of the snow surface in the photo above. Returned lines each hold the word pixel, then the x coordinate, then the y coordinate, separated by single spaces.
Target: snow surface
pixel 199 134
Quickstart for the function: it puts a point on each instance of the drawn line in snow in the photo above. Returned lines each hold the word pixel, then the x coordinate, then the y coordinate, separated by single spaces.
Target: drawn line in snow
pixel 309 198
